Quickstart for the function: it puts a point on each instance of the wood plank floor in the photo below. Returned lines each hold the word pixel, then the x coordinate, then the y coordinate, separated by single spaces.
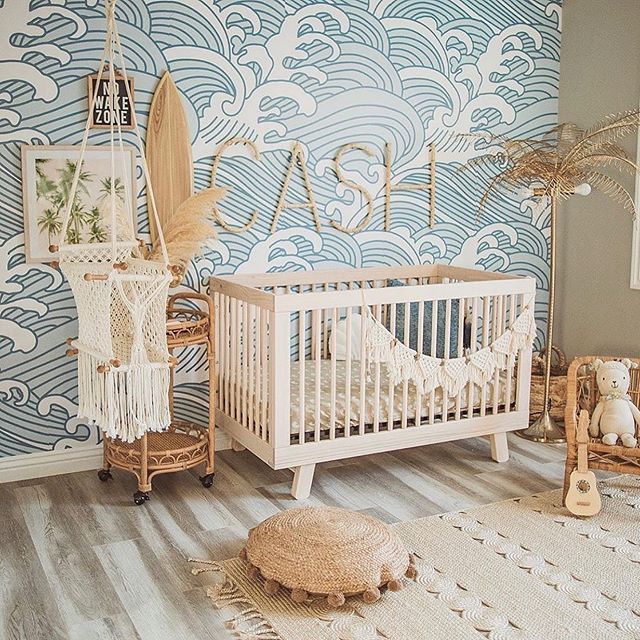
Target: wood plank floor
pixel 79 561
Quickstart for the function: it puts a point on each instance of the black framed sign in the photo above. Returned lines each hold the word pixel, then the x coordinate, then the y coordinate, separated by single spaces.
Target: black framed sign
pixel 122 105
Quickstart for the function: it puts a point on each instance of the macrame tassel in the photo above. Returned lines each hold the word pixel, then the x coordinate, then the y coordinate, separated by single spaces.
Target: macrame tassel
pixel 427 373
pixel 92 389
pixel 502 349
pixel 454 375
pixel 248 623
pixel 482 365
pixel 125 404
pixel 523 331
pixel 377 339
pixel 401 363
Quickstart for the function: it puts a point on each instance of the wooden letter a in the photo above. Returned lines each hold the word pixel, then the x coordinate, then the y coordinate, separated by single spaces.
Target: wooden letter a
pixel 297 156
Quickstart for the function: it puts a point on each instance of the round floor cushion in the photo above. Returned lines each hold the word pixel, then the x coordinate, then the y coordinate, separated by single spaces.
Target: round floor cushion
pixel 327 551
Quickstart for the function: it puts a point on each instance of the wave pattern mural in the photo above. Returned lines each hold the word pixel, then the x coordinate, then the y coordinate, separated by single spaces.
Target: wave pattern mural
pixel 325 73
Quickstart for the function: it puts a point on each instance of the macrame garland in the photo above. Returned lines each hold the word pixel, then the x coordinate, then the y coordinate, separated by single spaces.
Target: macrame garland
pixel 452 374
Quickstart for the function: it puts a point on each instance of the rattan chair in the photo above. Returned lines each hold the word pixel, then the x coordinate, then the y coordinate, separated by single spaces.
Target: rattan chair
pixel 582 393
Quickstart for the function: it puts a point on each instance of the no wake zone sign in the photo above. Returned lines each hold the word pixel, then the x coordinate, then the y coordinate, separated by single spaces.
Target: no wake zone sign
pixel 122 105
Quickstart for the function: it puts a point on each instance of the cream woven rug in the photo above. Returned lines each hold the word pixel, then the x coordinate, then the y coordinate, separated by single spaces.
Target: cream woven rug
pixel 512 570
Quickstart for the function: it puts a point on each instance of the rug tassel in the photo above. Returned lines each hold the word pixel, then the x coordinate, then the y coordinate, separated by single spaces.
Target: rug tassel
pixel 216 565
pixel 249 623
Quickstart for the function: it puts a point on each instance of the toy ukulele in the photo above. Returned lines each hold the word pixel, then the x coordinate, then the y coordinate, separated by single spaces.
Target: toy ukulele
pixel 583 498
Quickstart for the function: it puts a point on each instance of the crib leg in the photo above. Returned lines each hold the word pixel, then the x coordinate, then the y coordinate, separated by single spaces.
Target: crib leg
pixel 499 447
pixel 302 479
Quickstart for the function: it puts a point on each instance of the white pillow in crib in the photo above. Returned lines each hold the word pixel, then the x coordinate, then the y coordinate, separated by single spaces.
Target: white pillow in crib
pixel 341 337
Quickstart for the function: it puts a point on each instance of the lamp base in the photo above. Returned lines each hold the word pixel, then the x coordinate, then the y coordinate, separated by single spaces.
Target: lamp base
pixel 544 429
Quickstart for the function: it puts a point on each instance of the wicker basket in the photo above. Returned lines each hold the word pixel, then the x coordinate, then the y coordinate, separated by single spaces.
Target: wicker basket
pixel 557 387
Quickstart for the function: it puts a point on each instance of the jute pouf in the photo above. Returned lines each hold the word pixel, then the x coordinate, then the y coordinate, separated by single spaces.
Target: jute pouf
pixel 326 551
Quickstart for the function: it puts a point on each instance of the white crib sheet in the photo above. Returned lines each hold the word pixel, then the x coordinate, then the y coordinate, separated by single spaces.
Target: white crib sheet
pixel 325 370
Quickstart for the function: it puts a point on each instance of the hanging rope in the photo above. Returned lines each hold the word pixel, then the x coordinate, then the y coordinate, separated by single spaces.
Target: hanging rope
pixel 113 49
pixel 123 359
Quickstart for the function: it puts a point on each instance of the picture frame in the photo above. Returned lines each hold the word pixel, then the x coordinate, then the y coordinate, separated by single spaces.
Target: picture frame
pixel 47 174
pixel 100 113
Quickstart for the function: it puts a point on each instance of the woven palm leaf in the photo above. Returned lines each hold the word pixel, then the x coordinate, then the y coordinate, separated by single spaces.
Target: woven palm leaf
pixel 560 160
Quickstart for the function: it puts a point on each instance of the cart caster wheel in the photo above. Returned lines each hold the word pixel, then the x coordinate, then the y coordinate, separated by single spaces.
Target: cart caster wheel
pixel 104 475
pixel 207 480
pixel 140 497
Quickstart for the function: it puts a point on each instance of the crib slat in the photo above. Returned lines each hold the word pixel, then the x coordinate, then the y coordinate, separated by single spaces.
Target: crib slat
pixel 317 328
pixel 420 350
pixel 509 381
pixel 302 360
pixel 250 367
pixel 486 320
pixel 523 366
pixel 215 326
pixel 325 327
pixel 460 351
pixel 264 374
pixel 333 347
pixel 246 338
pixel 239 349
pixel 347 377
pixel 363 372
pixel 447 328
pixel 376 390
pixel 234 357
pixel 473 347
pixel 498 329
pixel 405 384
pixel 391 388
pixel 221 350
pixel 494 318
pixel 224 366
pixel 447 353
pixel 434 353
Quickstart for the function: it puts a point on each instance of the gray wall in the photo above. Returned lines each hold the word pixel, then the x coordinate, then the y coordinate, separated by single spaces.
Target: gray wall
pixel 597 311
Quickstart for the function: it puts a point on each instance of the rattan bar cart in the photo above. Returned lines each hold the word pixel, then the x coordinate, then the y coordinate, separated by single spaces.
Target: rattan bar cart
pixel 184 444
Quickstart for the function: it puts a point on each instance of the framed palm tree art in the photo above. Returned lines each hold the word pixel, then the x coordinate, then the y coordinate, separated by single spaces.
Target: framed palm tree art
pixel 47 177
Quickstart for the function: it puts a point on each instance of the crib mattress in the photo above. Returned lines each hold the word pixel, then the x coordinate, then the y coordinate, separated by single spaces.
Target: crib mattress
pixel 373 399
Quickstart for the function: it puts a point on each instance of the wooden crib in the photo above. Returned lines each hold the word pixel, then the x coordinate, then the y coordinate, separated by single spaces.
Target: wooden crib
pixel 286 393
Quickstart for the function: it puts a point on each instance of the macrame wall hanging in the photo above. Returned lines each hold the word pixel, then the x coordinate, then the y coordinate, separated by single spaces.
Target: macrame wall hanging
pixel 123 360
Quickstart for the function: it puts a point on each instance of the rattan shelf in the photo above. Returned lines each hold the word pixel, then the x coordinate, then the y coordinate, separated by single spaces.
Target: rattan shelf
pixel 184 444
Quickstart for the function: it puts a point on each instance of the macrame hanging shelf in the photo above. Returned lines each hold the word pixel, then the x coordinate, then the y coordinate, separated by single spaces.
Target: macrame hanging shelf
pixel 123 359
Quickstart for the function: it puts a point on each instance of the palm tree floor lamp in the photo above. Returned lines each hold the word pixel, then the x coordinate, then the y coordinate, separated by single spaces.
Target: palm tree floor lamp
pixel 565 161
pixel 545 428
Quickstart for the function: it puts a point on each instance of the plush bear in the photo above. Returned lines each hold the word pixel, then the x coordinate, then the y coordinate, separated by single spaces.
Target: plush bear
pixel 615 415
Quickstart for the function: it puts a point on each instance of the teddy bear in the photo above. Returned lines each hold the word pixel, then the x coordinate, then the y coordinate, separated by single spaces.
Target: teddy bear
pixel 615 415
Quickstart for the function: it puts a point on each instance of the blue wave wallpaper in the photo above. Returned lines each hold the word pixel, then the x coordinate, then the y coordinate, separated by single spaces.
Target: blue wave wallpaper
pixel 328 73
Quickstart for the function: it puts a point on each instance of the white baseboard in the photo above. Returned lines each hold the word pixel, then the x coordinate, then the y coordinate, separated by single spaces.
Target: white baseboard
pixel 49 463
pixel 42 464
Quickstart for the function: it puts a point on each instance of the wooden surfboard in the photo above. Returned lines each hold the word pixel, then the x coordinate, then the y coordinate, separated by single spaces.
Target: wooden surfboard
pixel 168 152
